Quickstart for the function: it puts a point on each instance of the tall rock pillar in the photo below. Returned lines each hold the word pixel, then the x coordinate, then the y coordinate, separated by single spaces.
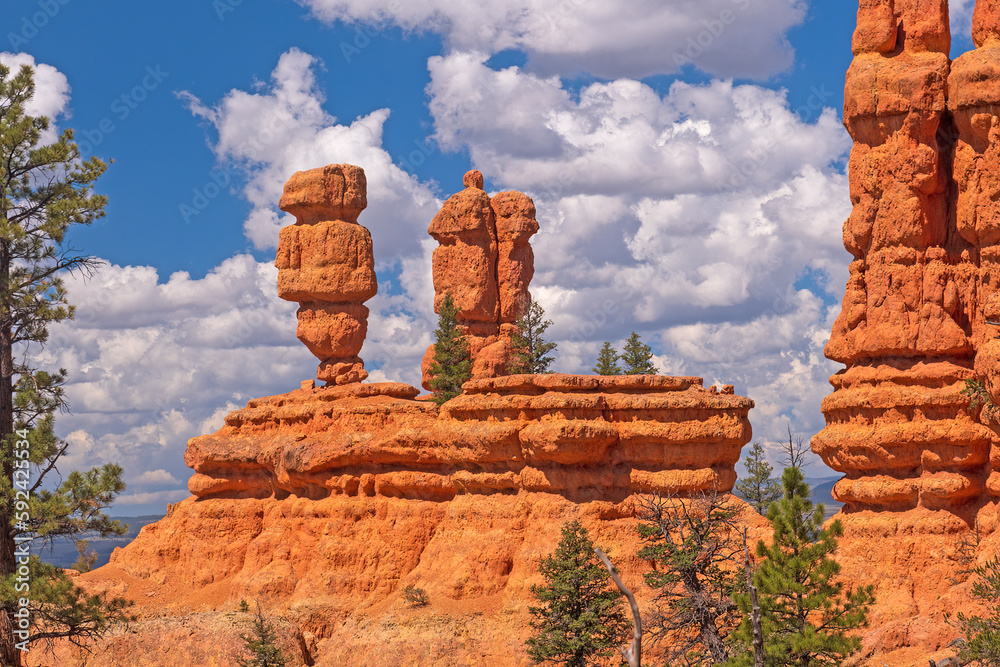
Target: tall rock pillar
pixel 485 262
pixel 974 98
pixel 325 263
pixel 898 425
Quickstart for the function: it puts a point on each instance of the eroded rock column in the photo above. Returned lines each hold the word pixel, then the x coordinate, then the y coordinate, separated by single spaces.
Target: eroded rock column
pixel 974 99
pixel 485 262
pixel 897 424
pixel 325 263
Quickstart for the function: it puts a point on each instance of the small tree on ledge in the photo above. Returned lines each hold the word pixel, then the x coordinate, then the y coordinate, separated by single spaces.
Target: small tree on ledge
pixel 607 361
pixel 637 357
pixel 530 349
pixel 452 365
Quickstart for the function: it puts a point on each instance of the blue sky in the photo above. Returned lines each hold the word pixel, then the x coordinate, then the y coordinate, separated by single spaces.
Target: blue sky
pixel 687 160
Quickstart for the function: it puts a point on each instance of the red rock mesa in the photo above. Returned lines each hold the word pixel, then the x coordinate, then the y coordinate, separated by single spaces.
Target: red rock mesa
pixel 326 502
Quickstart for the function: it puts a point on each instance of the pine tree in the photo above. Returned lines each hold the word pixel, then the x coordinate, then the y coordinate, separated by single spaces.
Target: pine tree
pixel 262 644
pixel 46 190
pixel 695 545
pixel 758 487
pixel 87 559
pixel 530 349
pixel 637 357
pixel 607 361
pixel 804 612
pixel 452 365
pixel 581 617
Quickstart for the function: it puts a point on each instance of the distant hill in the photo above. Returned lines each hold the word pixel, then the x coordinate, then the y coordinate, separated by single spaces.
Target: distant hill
pixel 63 553
pixel 822 492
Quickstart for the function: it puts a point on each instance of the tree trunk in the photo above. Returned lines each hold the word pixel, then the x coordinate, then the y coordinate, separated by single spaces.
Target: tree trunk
pixel 9 655
pixel 758 633
pixel 632 655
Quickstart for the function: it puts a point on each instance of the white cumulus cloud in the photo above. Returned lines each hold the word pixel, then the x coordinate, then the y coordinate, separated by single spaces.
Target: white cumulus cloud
pixel 284 128
pixel 727 38
pixel 51 97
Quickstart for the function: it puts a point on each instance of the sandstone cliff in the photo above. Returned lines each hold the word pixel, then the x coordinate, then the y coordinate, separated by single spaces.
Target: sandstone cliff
pixel 920 465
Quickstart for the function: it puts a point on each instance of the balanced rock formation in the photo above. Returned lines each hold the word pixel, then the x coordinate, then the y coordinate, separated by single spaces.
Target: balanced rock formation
pixel 485 262
pixel 898 424
pixel 325 262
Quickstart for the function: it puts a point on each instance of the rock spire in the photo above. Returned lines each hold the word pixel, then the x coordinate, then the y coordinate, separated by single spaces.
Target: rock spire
pixel 923 233
pixel 485 262
pixel 325 262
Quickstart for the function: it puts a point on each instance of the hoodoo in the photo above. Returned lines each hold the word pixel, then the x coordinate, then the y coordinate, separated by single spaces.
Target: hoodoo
pixel 326 502
pixel 898 423
pixel 920 459
pixel 485 262
pixel 325 262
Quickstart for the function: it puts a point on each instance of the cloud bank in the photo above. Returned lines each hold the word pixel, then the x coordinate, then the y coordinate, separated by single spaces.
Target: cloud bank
pixel 725 38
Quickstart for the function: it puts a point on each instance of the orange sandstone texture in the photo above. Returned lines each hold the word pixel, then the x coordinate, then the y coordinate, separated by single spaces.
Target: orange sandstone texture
pixel 583 437
pixel 920 467
pixel 334 570
pixel 325 503
pixel 898 425
pixel 485 262
pixel 325 262
pixel 975 93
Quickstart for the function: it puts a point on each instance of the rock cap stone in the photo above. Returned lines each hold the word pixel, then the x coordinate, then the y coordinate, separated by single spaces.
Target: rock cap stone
pixel 333 192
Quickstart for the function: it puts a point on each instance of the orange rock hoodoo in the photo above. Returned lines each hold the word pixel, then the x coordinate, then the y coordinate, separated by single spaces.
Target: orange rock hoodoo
pixel 923 181
pixel 583 437
pixel 325 262
pixel 485 263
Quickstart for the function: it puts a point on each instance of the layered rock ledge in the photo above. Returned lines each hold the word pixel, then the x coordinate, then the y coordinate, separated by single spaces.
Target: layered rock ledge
pixel 585 437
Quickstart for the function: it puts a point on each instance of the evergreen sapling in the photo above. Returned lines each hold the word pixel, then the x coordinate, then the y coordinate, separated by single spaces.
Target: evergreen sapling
pixel 452 364
pixel 637 357
pixel 580 617
pixel 530 348
pixel 607 361
pixel 805 614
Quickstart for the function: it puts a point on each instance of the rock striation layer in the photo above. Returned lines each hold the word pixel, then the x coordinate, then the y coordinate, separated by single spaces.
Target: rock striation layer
pixel 325 262
pixel 485 262
pixel 974 98
pixel 583 437
pixel 898 424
